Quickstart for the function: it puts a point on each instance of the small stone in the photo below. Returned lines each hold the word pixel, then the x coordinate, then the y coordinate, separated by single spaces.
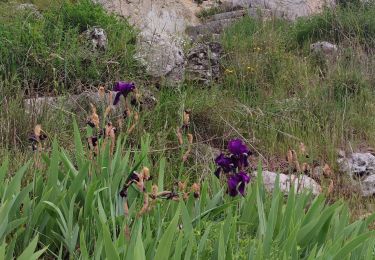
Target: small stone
pixel 361 169
pixel 325 48
pixel 98 38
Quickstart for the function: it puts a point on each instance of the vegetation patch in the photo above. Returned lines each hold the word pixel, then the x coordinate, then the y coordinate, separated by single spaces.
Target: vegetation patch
pixel 49 54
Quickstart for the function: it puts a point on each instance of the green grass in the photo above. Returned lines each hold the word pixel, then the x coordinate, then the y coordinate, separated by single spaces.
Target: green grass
pixel 294 96
pixel 49 55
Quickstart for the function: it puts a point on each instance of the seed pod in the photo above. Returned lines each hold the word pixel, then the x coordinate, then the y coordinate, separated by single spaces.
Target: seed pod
pixel 196 189
pixel 289 157
pixel 154 191
pixel 146 173
pixel 181 186
pixel 94 118
pixel 186 118
pixel 190 138
pixel 101 92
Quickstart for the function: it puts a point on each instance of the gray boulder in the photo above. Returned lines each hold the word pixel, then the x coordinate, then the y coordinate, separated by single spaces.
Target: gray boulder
pixel 325 48
pixel 162 56
pixel 361 169
pixel 301 183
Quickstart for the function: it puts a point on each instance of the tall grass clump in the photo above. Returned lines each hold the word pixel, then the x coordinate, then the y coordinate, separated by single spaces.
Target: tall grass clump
pixel 71 208
pixel 45 51
pixel 347 22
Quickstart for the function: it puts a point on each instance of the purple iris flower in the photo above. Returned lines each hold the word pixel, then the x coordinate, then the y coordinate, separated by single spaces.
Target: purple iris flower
pixel 237 147
pixel 225 164
pixel 240 153
pixel 123 89
pixel 237 183
pixel 234 165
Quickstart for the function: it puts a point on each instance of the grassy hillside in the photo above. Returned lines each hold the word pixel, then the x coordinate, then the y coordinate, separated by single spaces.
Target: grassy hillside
pixel 275 94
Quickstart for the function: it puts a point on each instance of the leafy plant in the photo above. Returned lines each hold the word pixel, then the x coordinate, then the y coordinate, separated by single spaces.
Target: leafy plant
pixel 77 212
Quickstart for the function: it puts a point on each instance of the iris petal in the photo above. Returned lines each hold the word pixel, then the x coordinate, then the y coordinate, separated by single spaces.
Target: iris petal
pixel 237 183
pixel 124 86
pixel 117 98
pixel 224 162
pixel 232 185
pixel 237 147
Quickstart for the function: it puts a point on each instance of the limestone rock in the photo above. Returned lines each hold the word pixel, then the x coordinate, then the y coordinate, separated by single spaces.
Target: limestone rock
pixel 301 183
pixel 361 169
pixel 358 165
pixel 291 9
pixel 325 48
pixel 203 62
pixel 162 56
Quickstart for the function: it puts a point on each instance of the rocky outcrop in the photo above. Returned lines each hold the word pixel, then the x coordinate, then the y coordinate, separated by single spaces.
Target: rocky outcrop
pixel 162 56
pixel 302 183
pixel 164 23
pixel 203 62
pixel 360 167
